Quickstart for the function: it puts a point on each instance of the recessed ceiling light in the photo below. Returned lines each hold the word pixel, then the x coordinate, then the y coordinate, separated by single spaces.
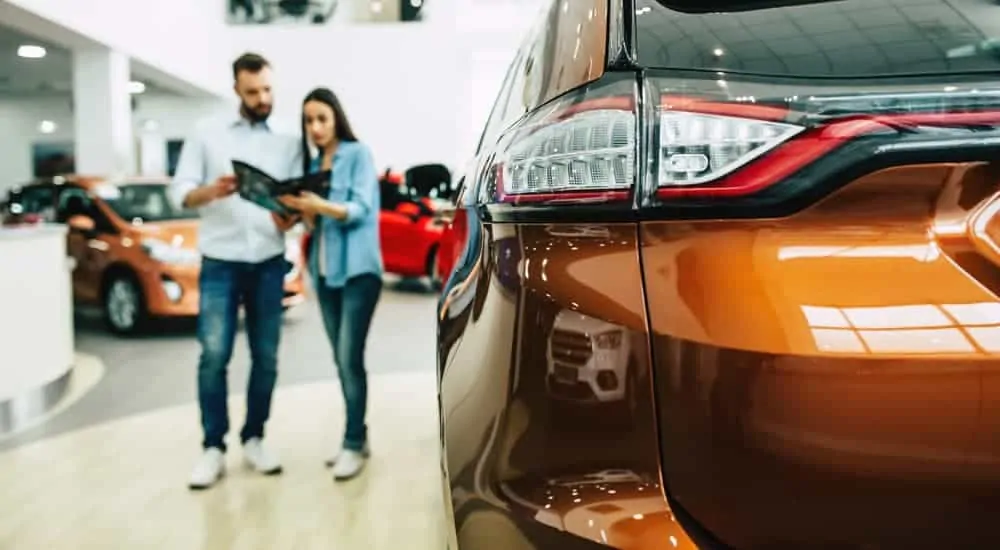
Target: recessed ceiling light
pixel 30 51
pixel 47 126
pixel 376 6
pixel 136 87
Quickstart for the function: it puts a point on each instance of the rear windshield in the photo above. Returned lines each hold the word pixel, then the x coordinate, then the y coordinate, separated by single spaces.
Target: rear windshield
pixel 823 39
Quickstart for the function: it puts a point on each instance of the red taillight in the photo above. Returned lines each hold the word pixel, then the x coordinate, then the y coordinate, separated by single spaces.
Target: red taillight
pixel 580 148
pixel 726 138
pixel 786 153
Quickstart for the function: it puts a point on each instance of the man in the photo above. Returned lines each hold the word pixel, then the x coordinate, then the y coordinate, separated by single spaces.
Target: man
pixel 242 247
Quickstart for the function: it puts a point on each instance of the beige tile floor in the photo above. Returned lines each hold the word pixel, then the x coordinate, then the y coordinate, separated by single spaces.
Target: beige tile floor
pixel 122 484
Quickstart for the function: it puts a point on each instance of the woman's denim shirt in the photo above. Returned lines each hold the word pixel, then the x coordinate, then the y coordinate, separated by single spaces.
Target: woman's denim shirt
pixel 352 245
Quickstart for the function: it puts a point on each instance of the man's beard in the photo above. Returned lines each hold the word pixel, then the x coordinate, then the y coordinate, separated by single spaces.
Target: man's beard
pixel 255 115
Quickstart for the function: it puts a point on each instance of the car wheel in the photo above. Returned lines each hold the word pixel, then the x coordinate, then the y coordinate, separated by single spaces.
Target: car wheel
pixel 124 308
pixel 432 270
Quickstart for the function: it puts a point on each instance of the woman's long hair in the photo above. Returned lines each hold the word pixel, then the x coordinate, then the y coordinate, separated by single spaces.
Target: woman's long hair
pixel 341 126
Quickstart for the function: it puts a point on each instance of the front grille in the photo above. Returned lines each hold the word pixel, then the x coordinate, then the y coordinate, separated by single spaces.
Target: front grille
pixel 571 348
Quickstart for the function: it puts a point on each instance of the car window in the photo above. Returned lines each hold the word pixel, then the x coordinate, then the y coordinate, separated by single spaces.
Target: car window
pixel 73 201
pixel 498 115
pixel 37 199
pixel 821 39
pixel 145 202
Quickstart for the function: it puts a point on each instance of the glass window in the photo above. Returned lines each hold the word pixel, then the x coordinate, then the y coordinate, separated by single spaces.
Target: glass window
pixel 145 202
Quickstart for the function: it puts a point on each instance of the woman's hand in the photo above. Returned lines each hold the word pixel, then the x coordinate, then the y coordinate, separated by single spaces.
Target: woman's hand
pixel 309 203
pixel 309 219
pixel 306 202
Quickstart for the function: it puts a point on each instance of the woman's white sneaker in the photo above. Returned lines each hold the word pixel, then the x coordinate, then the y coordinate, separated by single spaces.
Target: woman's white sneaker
pixel 330 462
pixel 349 464
pixel 208 470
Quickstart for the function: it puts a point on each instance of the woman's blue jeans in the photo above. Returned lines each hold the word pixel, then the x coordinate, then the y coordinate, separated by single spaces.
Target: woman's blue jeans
pixel 347 316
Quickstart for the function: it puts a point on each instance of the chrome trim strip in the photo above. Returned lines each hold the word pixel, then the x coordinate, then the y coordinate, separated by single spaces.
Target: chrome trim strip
pixel 18 411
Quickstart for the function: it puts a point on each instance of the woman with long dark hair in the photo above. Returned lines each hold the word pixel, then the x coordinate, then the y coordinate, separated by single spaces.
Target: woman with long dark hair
pixel 344 257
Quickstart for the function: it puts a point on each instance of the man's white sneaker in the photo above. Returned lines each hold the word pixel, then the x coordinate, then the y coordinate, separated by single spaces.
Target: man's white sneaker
pixel 330 462
pixel 257 457
pixel 349 464
pixel 209 469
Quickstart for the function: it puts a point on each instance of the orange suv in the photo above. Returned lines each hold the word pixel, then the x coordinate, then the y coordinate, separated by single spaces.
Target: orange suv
pixel 136 255
pixel 728 276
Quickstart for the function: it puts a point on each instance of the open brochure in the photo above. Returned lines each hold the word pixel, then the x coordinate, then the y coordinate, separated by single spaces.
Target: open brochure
pixel 258 187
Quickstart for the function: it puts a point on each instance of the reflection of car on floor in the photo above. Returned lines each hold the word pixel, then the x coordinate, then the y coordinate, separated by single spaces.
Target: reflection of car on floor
pixel 808 242
pixel 136 256
pixel 591 361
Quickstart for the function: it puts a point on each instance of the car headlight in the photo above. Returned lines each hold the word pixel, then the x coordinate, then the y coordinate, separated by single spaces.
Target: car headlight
pixel 170 254
pixel 609 340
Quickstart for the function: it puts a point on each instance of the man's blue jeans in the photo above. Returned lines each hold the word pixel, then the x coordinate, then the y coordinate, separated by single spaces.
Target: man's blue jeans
pixel 224 286
pixel 347 316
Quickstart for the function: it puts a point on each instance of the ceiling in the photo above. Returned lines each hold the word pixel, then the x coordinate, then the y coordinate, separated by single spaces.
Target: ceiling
pixel 48 76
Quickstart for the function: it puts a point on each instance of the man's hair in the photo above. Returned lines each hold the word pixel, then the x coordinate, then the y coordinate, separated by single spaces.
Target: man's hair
pixel 250 62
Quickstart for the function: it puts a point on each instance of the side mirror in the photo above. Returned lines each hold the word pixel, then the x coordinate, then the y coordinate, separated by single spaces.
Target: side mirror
pixel 83 224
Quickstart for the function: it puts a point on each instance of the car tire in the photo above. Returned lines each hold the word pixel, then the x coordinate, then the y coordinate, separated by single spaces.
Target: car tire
pixel 123 304
pixel 433 279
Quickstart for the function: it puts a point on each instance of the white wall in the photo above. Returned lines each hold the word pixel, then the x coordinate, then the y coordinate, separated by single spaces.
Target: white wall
pixel 175 116
pixel 187 38
pixel 415 92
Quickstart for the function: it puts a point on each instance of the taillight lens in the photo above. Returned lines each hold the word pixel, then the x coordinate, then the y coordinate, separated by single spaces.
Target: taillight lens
pixel 699 148
pixel 592 150
pixel 723 138
pixel 581 148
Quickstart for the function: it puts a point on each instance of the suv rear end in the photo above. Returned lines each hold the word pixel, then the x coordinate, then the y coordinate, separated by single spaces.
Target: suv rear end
pixel 794 204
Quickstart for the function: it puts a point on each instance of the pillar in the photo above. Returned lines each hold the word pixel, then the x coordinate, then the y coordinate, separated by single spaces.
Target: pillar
pixel 102 113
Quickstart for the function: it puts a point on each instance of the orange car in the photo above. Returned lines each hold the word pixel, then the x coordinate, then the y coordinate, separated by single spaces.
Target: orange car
pixel 748 252
pixel 135 254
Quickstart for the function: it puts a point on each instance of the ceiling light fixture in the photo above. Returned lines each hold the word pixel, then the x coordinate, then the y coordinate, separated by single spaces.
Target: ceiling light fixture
pixel 376 6
pixel 29 51
pixel 47 126
pixel 136 87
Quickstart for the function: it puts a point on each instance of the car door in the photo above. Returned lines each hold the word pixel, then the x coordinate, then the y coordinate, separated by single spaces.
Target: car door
pixel 89 249
pixel 32 201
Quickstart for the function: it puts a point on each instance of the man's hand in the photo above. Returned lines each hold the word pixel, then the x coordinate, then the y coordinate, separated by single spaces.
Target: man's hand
pixel 284 223
pixel 218 189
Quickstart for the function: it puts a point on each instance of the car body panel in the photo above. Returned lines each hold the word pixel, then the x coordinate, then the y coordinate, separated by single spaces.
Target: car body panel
pixel 832 366
pixel 500 423
pixel 818 359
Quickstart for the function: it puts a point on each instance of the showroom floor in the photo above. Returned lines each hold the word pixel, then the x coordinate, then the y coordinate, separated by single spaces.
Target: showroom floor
pixel 123 447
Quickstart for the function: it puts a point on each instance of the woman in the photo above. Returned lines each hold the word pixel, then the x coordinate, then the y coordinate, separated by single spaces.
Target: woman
pixel 344 257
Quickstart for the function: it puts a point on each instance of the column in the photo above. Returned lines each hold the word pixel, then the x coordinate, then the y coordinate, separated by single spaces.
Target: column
pixel 102 113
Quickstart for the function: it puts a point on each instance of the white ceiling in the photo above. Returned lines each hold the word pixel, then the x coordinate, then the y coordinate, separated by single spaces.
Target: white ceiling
pixel 48 76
